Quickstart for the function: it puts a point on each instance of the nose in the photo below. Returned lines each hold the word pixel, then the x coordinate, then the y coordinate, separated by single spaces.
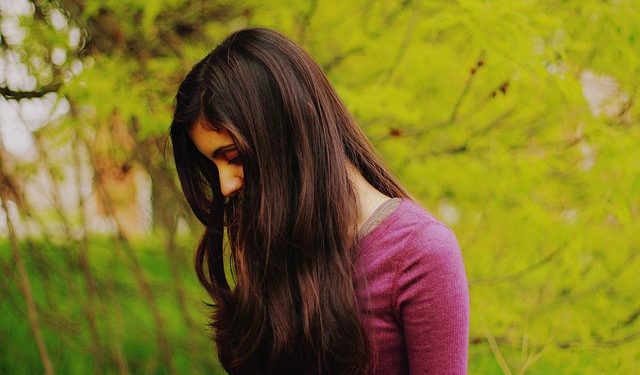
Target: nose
pixel 230 182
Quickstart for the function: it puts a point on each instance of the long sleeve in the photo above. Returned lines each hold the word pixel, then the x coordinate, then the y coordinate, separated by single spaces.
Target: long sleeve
pixel 431 301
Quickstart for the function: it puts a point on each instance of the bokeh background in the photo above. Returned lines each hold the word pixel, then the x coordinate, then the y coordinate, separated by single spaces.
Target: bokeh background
pixel 515 122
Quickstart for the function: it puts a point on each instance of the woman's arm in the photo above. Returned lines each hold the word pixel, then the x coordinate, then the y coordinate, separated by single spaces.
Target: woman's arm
pixel 432 302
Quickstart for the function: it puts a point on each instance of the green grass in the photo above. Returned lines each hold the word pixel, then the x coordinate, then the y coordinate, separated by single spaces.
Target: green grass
pixel 125 320
pixel 123 316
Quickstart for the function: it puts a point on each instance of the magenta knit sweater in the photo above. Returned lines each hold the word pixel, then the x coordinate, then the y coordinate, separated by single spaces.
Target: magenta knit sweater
pixel 414 296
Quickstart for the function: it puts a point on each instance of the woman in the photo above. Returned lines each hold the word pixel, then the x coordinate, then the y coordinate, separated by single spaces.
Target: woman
pixel 335 269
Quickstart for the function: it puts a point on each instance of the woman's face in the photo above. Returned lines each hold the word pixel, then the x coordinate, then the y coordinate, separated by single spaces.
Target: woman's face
pixel 221 150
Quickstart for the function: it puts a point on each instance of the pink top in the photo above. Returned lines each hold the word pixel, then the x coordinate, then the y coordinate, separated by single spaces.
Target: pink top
pixel 413 292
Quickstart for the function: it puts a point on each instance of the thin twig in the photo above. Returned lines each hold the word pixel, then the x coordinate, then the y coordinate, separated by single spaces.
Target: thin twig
pixel 137 270
pixel 496 353
pixel 519 274
pixel 88 279
pixel 24 284
pixel 404 45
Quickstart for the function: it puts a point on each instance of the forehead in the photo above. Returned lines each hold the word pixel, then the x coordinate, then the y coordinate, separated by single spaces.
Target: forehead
pixel 206 138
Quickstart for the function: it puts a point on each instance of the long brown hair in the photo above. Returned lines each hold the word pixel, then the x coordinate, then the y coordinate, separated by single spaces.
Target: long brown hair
pixel 292 228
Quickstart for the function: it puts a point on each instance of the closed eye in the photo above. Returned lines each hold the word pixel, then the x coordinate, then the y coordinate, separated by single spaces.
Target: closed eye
pixel 232 156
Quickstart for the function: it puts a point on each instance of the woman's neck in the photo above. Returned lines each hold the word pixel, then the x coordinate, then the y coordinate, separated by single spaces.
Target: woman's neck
pixel 368 197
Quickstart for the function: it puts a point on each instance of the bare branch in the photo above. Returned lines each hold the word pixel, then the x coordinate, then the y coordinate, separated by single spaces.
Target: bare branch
pixel 8 93
pixel 517 275
pixel 25 287
pixel 406 40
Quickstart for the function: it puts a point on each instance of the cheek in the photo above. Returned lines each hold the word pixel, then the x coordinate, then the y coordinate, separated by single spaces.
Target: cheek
pixel 240 172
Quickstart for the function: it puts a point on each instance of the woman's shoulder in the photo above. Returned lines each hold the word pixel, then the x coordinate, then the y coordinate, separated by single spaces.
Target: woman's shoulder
pixel 427 236
pixel 413 213
pixel 426 229
pixel 409 219
pixel 410 233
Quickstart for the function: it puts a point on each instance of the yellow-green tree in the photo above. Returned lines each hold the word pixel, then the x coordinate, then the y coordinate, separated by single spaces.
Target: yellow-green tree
pixel 516 122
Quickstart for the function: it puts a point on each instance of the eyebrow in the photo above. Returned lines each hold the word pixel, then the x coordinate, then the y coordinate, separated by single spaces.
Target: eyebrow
pixel 221 150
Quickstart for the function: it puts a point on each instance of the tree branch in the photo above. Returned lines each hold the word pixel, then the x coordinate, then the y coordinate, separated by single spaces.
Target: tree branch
pixel 25 287
pixel 8 93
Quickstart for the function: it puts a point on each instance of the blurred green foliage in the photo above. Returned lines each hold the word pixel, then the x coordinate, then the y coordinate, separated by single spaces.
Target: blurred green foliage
pixel 124 317
pixel 516 122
